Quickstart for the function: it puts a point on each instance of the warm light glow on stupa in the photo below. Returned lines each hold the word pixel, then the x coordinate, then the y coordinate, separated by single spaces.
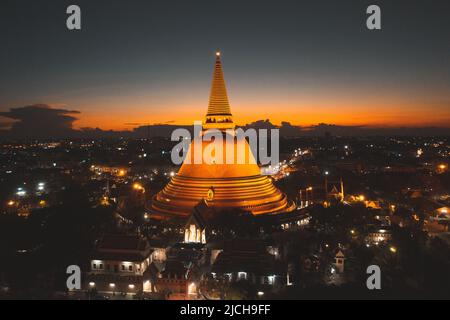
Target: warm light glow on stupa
pixel 222 185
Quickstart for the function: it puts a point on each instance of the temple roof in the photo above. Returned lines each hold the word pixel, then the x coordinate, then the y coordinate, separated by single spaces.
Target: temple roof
pixel 201 214
pixel 218 99
pixel 122 242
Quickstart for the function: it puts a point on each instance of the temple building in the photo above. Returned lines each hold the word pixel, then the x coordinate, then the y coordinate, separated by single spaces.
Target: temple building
pixel 197 223
pixel 222 184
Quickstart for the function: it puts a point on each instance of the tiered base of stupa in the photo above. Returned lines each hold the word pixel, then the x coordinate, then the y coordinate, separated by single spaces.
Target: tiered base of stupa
pixel 255 194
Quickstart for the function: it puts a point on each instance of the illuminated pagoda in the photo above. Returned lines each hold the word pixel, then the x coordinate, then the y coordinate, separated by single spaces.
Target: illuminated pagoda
pixel 238 184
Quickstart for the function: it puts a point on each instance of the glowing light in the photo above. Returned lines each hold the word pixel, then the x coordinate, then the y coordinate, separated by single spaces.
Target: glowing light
pixel 393 249
pixel 131 286
pixel 138 186
pixel 112 285
pixel 361 197
pixel 121 173
pixel 419 152
pixel 218 54
pixel 11 203
pixel 192 288
pixel 352 231
pixel 104 201
pixel 91 284
pixel 260 293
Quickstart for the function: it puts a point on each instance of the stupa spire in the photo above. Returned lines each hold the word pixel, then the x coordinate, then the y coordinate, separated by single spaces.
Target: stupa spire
pixel 219 114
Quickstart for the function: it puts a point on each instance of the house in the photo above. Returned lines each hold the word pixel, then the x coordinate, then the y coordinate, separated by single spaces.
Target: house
pixel 119 264
pixel 245 259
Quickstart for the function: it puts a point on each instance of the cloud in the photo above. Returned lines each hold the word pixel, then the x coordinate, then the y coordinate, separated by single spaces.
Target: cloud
pixel 40 120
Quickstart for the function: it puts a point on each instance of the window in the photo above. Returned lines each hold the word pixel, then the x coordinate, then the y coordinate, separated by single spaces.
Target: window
pixel 242 275
pixel 94 266
pixel 123 268
pixel 130 268
pixel 101 266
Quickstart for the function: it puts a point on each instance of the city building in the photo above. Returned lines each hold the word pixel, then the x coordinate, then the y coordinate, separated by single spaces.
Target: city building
pixel 174 281
pixel 245 259
pixel 119 264
pixel 379 235
pixel 339 261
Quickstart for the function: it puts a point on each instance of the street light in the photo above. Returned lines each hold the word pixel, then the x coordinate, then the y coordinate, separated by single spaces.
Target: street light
pixel 311 193
pixel 138 187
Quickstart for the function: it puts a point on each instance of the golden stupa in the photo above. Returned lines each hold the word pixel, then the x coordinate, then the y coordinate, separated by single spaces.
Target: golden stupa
pixel 223 185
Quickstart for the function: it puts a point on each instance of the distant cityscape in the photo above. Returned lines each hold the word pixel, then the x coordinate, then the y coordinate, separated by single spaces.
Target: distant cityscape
pixel 359 201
